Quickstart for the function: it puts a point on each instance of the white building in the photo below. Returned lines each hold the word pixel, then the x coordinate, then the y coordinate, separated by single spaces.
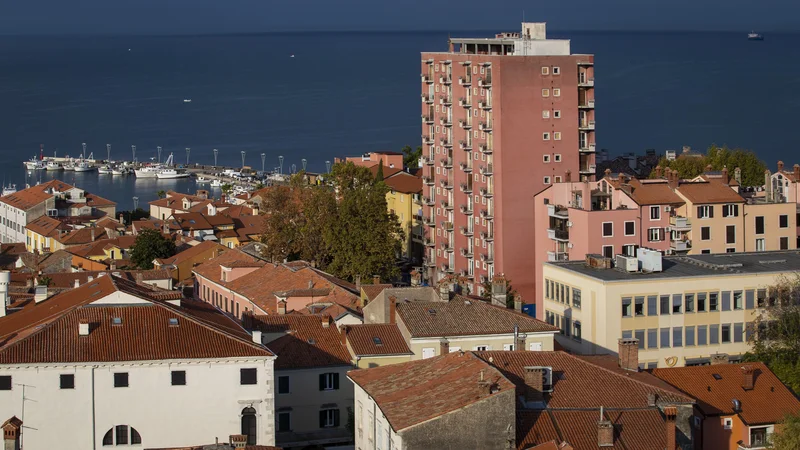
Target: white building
pixel 117 364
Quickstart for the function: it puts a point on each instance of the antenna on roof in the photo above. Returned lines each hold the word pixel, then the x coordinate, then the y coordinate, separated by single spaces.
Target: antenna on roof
pixel 601 413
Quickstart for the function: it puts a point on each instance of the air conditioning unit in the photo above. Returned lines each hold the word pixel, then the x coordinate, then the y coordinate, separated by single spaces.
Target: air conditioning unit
pixel 569 245
pixel 627 263
pixel 668 208
pixel 569 224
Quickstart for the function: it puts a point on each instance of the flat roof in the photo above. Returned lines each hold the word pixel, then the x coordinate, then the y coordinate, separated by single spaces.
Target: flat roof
pixel 720 264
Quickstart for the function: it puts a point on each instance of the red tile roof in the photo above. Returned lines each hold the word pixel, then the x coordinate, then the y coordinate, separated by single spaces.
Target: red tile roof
pixel 465 317
pixel 66 280
pixel 194 252
pixel 701 193
pixel 48 332
pixel 96 248
pixel 766 403
pixel 413 392
pixel 374 290
pixel 376 339
pixel 211 268
pixel 193 220
pixel 26 198
pixel 96 201
pixel 307 343
pixel 404 183
pixel 47 226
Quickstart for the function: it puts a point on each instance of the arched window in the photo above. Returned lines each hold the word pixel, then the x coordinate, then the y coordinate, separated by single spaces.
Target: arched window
pixel 249 425
pixel 122 435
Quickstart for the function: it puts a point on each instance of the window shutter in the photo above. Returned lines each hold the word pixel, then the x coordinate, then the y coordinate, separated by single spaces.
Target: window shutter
pixel 322 382
pixel 699 211
pixel 322 419
pixel 336 382
pixel 336 412
pixel 711 211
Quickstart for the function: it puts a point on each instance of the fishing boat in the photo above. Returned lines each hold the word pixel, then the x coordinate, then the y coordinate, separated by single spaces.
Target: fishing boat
pixel 187 100
pixel 148 171
pixel 118 170
pixel 216 183
pixel 34 164
pixel 9 189
pixel 53 165
pixel 83 166
pixel 202 179
pixel 169 174
pixel 106 169
pixel 753 36
pixel 70 166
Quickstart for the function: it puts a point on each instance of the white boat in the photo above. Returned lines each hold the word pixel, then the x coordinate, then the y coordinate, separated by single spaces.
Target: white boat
pixel 34 164
pixel 53 165
pixel 187 100
pixel 120 171
pixel 168 174
pixel 202 179
pixel 10 189
pixel 69 166
pixel 83 166
pixel 216 183
pixel 148 171
pixel 104 169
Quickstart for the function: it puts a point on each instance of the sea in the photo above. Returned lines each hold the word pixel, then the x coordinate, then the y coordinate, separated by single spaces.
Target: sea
pixel 312 97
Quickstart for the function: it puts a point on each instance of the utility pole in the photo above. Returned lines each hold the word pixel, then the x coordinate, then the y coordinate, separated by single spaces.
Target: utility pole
pixel 83 155
pixel 243 152
pixel 304 161
pixel 328 166
pixel 135 203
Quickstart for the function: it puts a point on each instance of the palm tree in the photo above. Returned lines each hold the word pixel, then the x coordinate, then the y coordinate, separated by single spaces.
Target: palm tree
pixel 161 194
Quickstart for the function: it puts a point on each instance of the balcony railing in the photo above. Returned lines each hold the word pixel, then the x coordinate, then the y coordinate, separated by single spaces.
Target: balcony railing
pixel 427 118
pixel 447 162
pixel 465 124
pixel 486 192
pixel 681 246
pixel 445 79
pixel 588 148
pixel 466 231
pixel 428 180
pixel 487 236
pixel 447 246
pixel 446 142
pixel 558 235
pixel 485 104
pixel 485 148
pixel 446 100
pixel 486 126
pixel 464 102
pixel 586 83
pixel 487 170
pixel 485 82
pixel 448 226
pixel 466 167
pixel 427 98
pixel 679 223
pixel 447 205
pixel 557 211
pixel 447 184
pixel 465 145
pixel 586 125
pixel 446 121
pixel 429 242
pixel 466 188
pixel 466 252
pixel 428 201
pixel 487 214
pixel 466 209
pixel 427 140
pixel 429 221
pixel 487 257
pixel 588 169
pixel 588 104
pixel 426 78
pixel 427 160
pixel 465 81
pixel 557 256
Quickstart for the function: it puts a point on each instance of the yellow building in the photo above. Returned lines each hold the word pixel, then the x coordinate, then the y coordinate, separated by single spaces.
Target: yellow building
pixel 689 309
pixel 404 199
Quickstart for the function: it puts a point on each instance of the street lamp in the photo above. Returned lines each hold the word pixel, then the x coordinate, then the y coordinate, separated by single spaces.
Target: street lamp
pixel 135 203
pixel 243 152
pixel 280 162
pixel 327 167
pixel 304 161
pixel 158 149
pixel 108 150
pixel 83 155
pixel 215 157
pixel 187 155
pixel 263 161
pixel 133 150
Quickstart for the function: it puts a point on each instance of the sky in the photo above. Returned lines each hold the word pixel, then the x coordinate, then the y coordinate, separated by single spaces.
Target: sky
pixel 246 16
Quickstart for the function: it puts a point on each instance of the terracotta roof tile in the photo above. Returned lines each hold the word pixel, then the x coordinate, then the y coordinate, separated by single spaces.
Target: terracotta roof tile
pixel 405 183
pixel 766 403
pixel 193 252
pixel 98 202
pixel 192 220
pixel 376 339
pixel 47 226
pixel 413 392
pixel 373 290
pixel 96 248
pixel 211 268
pixel 462 317
pixel 652 193
pixel 709 192
pixel 306 343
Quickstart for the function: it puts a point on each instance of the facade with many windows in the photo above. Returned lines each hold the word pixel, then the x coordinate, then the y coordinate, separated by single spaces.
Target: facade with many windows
pixel 694 307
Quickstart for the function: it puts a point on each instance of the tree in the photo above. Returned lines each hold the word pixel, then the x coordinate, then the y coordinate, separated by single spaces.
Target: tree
pixel 510 292
pixel 149 245
pixel 787 436
pixel 45 281
pixel 690 166
pixel 226 188
pixel 379 175
pixel 130 216
pixel 776 341
pixel 161 194
pixel 411 157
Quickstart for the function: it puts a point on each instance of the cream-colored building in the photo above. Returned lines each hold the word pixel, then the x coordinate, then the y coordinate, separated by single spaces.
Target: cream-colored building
pixel 683 313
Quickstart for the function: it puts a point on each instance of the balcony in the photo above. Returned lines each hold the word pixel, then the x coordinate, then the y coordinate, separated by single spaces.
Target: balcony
pixel 428 180
pixel 485 104
pixel 428 201
pixel 467 210
pixel 427 119
pixel 429 242
pixel 429 221
pixel 430 263
pixel 447 205
pixel 588 169
pixel 589 104
pixel 447 184
pixel 467 232
pixel 466 188
pixel 448 226
pixel 466 253
pixel 487 257
pixel 557 211
pixel 679 223
pixel 485 82
pixel 557 256
pixel 446 121
pixel 427 140
pixel 588 148
pixel 464 102
pixel 465 81
pixel 447 268
pixel 487 170
pixel 427 78
pixel 465 124
pixel 446 100
pixel 466 167
pixel 487 126
pixel 558 235
pixel 447 162
pixel 447 247
pixel 586 83
pixel 445 79
pixel 487 214
pixel 486 236
pixel 680 246
pixel 427 98
pixel 486 149
pixel 585 63
pixel 586 125
pixel 426 160
pixel 465 145
pixel 486 192
pixel 446 142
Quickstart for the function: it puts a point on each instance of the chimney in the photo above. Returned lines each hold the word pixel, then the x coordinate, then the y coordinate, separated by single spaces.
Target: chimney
pixel 534 384
pixel 709 168
pixel 768 185
pixel 737 175
pixel 376 279
pixel 5 279
pixel 83 329
pixel 658 171
pixel 607 173
pixel 121 219
pixel 605 431
pixel 629 354
pixel 796 170
pixel 238 440
pixel 247 320
pixel 139 278
pixel 392 309
pixel 444 346
pixel 568 176
pixel 40 294
pixel 77 283
pixel 357 281
pixel 113 264
pixel 652 399
pixel 326 321
pixel 282 307
pixel 672 177
pixel 92 230
pixel 444 290
pixel 748 378
pixel 499 291
pixel 519 341
pixel 12 433
pixel 780 166
pixel 719 358
pixel 257 336
pixel 671 413
pixel 518 303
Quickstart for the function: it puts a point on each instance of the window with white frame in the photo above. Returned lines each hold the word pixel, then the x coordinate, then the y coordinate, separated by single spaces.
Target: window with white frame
pixel 545 70
pixel 557 179
pixel 705 212
pixel 655 213
pixel 630 228
pixel 546 158
pixel 655 234
pixel 557 135
pixel 556 92
pixel 608 229
pixel 557 114
pixel 545 92
pixel 329 418
pixel 545 114
pixel 546 180
pixel 556 70
pixel 730 210
pixel 557 157
pixel 545 136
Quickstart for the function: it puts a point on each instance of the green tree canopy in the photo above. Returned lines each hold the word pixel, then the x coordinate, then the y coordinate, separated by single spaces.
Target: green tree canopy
pixel 411 156
pixel 150 245
pixel 510 292
pixel 161 193
pixel 690 166
pixel 787 436
pixel 777 340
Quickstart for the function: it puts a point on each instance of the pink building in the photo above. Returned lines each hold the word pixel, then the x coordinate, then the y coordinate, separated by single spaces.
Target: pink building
pixel 393 160
pixel 502 119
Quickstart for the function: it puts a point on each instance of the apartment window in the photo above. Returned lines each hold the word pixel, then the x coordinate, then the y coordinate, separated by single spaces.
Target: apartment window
pixel 556 92
pixel 705 212
pixel 556 70
pixel 783 220
pixel 576 331
pixel 248 376
pixel 546 158
pixel 545 70
pixel 702 334
pixel 705 233
pixel 329 418
pixel 285 421
pixel 556 135
pixel 726 300
pixel 689 336
pixel 664 300
pixel 761 298
pixel 688 300
pixel 639 335
pixel 120 379
pixel 629 249
pixel 576 298
pixel 727 423
pixel 558 179
pixel 677 337
pixel 557 157
pixel 726 333
pixel 179 378
pixel 759 437
pixel 713 301
pixel 545 114
pixel 730 210
pixel 546 180
pixel 652 305
pixel 557 114
pixel 713 334
pixel 760 225
pixel 655 234
pixel 784 243
pixel 626 307
pixel 328 381
pixel 638 306
pixel 676 303
pixel 630 228
pixel 738 332
pixel 730 234
pixel 545 92
pixel 737 300
pixel 760 244
pixel 701 302
pixel 608 229
pixel 283 384
pixel 652 338
pixel 608 251
pixel 545 136
pixel 655 213
pixel 665 338
pixel 67 381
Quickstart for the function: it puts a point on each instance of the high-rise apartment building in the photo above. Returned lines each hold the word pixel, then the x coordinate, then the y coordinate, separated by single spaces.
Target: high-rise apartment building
pixel 502 118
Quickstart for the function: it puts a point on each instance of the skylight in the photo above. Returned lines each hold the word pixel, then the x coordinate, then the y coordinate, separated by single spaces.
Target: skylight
pixel 173 322
pixel 116 320
pixel 312 341
pixel 377 340
pixel 717 376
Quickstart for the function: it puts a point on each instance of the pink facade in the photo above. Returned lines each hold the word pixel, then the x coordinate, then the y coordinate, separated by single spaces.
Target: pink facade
pixel 498 128
pixel 388 159
pixel 222 297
